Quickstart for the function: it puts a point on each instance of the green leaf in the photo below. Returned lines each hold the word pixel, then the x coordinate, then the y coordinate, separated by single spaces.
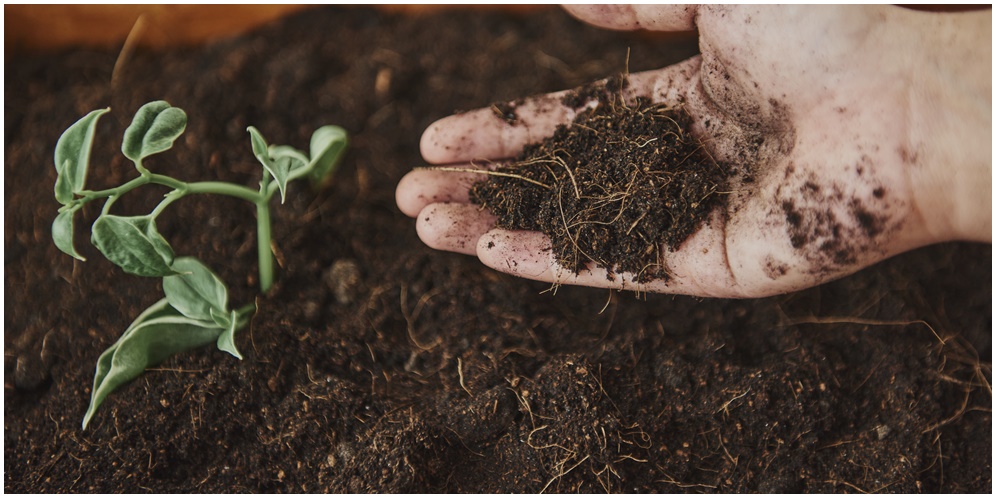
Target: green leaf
pixel 298 160
pixel 279 168
pixel 237 321
pixel 159 332
pixel 62 232
pixel 259 147
pixel 159 309
pixel 154 129
pixel 226 341
pixel 134 244
pixel 195 291
pixel 328 144
pixel 72 156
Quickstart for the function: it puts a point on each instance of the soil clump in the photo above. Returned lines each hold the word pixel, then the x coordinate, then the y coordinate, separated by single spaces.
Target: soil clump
pixel 614 187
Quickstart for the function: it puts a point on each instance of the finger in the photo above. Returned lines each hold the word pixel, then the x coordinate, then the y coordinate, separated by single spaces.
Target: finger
pixel 453 227
pixel 486 134
pixel 424 186
pixel 653 17
pixel 699 268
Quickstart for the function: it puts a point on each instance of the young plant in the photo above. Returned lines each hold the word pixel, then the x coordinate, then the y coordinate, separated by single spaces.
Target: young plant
pixel 195 311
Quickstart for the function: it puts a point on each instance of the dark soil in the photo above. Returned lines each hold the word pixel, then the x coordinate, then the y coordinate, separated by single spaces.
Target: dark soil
pixel 377 364
pixel 600 186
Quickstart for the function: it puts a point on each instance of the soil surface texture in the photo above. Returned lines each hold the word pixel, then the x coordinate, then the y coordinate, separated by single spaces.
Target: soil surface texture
pixel 611 187
pixel 378 364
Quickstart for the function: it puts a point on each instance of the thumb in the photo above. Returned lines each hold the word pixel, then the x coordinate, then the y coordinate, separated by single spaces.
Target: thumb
pixel 628 17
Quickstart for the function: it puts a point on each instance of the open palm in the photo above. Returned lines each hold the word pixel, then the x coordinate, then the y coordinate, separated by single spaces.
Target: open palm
pixel 838 139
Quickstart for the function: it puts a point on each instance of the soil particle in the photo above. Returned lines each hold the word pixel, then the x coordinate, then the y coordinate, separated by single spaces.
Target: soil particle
pixel 831 227
pixel 775 269
pixel 870 223
pixel 595 92
pixel 506 111
pixel 481 417
pixel 344 278
pixel 614 187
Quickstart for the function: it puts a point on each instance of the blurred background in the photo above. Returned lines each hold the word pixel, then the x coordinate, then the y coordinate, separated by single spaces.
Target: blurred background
pixel 48 28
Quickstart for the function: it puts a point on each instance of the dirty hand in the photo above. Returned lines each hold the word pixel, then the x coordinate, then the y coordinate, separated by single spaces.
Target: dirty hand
pixel 854 133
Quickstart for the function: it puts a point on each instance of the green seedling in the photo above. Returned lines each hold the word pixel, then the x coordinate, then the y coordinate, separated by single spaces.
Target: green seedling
pixel 195 311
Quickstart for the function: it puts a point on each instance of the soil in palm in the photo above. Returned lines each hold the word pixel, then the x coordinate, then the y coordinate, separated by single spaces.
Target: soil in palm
pixel 617 187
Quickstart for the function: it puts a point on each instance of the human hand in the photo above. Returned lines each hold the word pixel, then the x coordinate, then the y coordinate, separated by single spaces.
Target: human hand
pixel 855 133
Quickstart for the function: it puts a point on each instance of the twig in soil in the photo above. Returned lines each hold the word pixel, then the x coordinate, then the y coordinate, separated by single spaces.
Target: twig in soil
pixel 604 440
pixel 962 410
pixel 525 404
pixel 860 490
pixel 460 374
pixel 607 484
pixel 585 127
pixel 529 442
pixel 564 473
pixel 410 317
pixel 607 301
pixel 556 160
pixel 485 172
pixel 252 339
pixel 647 442
pixel 734 460
pixel 645 269
pixel 601 388
pixel 967 383
pixel 940 461
pixel 838 443
pixel 277 253
pixel 127 49
pixel 962 352
pixel 554 287
pixel 829 320
pixel 567 229
pixel 670 480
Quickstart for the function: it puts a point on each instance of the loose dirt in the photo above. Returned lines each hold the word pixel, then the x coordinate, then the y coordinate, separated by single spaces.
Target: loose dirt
pixel 614 187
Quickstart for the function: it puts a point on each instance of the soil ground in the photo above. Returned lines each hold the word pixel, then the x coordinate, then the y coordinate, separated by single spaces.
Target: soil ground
pixel 377 364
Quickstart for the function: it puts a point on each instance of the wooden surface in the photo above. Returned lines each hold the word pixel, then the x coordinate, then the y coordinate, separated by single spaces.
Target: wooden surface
pixel 34 28
pixel 47 28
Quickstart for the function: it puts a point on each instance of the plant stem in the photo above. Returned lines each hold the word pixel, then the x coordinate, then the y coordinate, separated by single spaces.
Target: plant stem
pixel 261 199
pixel 228 189
pixel 184 188
pixel 263 246
pixel 92 195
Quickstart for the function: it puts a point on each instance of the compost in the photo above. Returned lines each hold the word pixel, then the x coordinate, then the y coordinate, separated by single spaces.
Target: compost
pixel 614 187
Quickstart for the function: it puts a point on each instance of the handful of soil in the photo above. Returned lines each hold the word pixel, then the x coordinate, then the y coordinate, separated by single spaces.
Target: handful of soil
pixel 615 187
